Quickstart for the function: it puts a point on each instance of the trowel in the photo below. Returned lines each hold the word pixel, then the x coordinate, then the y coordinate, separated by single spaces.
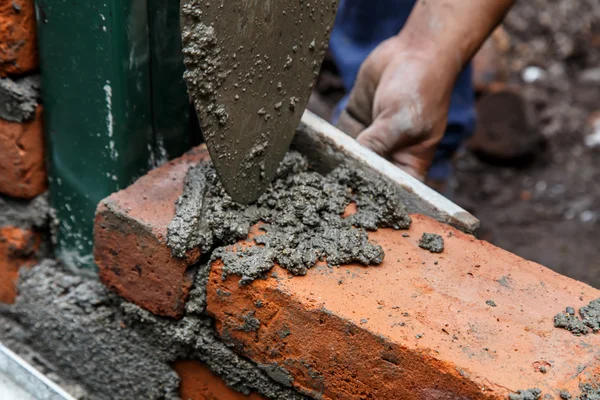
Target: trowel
pixel 251 66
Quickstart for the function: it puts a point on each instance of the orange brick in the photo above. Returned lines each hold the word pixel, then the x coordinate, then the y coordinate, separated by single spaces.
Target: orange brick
pixel 22 164
pixel 130 240
pixel 417 327
pixel 18 39
pixel 17 249
pixel 199 383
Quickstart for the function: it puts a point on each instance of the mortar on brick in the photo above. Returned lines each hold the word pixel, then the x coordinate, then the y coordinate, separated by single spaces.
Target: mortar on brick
pixel 301 219
pixel 24 214
pixel 588 323
pixel 117 350
pixel 23 242
pixel 19 98
pixel 529 394
pixel 432 242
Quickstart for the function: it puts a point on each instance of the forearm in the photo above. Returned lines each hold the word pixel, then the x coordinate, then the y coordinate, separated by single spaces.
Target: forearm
pixel 452 30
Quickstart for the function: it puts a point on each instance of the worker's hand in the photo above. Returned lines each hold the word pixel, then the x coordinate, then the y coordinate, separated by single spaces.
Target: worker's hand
pixel 399 105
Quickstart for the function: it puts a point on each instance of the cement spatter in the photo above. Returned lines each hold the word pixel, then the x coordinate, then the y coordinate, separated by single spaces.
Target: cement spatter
pixel 26 214
pixel 432 242
pixel 301 215
pixel 529 394
pixel 118 351
pixel 587 392
pixel 588 323
pixel 19 98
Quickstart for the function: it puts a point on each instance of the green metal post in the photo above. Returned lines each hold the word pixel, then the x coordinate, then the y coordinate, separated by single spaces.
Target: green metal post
pixel 170 103
pixel 100 111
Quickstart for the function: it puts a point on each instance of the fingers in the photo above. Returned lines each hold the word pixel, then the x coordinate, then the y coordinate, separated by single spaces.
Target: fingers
pixel 358 113
pixel 350 125
pixel 403 148
pixel 415 166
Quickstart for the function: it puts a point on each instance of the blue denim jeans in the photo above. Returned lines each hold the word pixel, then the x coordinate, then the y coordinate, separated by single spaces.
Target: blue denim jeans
pixel 361 25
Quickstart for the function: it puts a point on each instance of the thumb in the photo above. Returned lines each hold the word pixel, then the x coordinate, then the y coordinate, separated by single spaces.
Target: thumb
pixel 377 137
pixel 349 124
pixel 391 132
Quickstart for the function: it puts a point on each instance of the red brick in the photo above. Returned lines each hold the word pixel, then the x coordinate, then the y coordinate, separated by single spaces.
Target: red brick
pixel 18 39
pixel 22 164
pixel 340 334
pixel 199 383
pixel 17 249
pixel 130 240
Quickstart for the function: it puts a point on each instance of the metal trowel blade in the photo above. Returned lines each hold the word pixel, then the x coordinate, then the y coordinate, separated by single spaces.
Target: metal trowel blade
pixel 251 65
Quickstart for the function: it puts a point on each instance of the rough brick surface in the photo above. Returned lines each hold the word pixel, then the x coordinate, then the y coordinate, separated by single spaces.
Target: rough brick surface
pixel 474 322
pixel 22 163
pixel 199 383
pixel 18 41
pixel 130 240
pixel 17 249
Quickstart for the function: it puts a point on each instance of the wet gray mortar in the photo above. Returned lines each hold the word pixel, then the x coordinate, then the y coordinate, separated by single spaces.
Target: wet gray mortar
pixel 529 394
pixel 432 242
pixel 116 350
pixel 24 214
pixel 586 392
pixel 19 98
pixel 587 322
pixel 302 216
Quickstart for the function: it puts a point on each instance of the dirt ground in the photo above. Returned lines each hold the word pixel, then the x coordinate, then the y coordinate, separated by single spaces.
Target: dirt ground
pixel 549 210
pixel 546 208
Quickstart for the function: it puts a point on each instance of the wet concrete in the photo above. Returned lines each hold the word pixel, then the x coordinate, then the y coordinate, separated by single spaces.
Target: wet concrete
pixel 116 350
pixel 432 242
pixel 529 394
pixel 24 214
pixel 19 98
pixel 588 322
pixel 587 391
pixel 301 217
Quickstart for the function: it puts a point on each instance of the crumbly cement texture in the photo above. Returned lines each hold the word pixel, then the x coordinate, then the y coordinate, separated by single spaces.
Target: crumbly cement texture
pixel 587 392
pixel 432 242
pixel 588 322
pixel 116 350
pixel 19 340
pixel 25 214
pixel 301 215
pixel 529 394
pixel 19 98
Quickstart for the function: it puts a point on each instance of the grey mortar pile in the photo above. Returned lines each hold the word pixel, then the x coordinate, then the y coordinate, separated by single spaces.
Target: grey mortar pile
pixel 116 350
pixel 529 394
pixel 587 392
pixel 432 242
pixel 302 215
pixel 26 214
pixel 588 323
pixel 19 98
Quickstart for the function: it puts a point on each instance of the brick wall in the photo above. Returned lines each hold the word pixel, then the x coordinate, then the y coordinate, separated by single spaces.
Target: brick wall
pixel 22 165
pixel 474 322
pixel 200 383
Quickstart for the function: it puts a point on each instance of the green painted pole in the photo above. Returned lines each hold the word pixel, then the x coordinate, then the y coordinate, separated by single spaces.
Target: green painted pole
pixel 100 111
pixel 170 102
